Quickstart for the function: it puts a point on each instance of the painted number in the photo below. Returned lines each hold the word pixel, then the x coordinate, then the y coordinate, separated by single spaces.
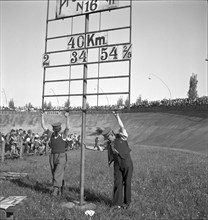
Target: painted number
pixel 108 53
pixel 76 42
pixel 78 56
pixel 113 53
pixel 104 53
pixel 87 6
pixel 46 60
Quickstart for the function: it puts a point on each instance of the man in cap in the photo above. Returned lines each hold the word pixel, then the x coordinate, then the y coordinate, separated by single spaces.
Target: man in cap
pixel 58 156
pixel 119 153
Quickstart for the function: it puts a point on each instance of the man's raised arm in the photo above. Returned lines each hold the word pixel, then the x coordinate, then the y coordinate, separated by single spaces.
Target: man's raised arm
pixel 43 121
pixel 66 114
pixel 122 129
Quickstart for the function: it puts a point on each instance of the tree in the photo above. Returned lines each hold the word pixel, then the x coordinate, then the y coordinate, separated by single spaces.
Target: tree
pixel 145 102
pixel 87 105
pixel 127 101
pixel 29 105
pixel 47 105
pixel 67 104
pixel 139 100
pixel 120 101
pixel 192 93
pixel 11 104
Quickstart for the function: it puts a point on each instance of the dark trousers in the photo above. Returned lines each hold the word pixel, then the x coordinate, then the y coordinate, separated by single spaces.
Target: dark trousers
pixel 123 169
pixel 58 164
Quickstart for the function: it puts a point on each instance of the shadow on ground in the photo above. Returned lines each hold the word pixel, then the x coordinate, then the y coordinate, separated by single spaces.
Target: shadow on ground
pixel 71 193
pixel 90 195
pixel 43 187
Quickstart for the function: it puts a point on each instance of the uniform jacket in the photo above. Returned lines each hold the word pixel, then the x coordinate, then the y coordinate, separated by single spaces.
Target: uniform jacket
pixel 119 148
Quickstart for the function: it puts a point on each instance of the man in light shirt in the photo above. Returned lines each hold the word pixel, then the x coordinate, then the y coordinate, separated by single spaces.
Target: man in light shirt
pixel 58 157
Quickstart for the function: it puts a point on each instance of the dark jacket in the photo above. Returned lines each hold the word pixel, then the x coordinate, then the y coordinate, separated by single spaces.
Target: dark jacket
pixel 119 148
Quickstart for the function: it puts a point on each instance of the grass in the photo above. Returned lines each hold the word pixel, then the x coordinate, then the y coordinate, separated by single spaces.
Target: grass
pixel 166 184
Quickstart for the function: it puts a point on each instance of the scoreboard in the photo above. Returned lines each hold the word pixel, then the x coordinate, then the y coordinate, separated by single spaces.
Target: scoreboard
pixel 92 51
pixel 86 46
pixel 73 7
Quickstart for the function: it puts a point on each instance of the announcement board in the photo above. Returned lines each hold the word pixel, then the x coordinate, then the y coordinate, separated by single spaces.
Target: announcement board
pixel 66 8
pixel 83 35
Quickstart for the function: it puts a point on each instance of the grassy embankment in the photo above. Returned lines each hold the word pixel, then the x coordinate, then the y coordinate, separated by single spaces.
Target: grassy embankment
pixel 167 184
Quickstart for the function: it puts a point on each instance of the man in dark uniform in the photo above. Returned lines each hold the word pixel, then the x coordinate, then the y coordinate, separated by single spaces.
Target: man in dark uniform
pixel 58 156
pixel 119 153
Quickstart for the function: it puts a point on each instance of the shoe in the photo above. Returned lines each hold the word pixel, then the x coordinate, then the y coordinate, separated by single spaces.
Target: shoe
pixel 55 191
pixel 116 207
pixel 62 188
pixel 125 206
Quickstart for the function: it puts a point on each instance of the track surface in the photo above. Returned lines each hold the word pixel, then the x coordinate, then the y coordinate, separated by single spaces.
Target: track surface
pixel 173 130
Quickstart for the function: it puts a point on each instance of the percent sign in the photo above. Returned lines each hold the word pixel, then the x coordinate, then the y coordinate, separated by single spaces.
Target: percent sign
pixel 127 51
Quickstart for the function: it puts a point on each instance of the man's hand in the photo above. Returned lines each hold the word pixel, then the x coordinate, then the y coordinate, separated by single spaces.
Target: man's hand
pixel 66 114
pixel 42 112
pixel 115 113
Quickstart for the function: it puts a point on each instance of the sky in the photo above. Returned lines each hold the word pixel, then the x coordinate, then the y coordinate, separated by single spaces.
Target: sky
pixel 169 43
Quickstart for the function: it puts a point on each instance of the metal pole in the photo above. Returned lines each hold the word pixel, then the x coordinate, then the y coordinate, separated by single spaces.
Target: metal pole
pixel 5 96
pixel 70 68
pixel 207 48
pixel 130 59
pixel 0 89
pixel 2 150
pixel 98 83
pixel 55 95
pixel 44 71
pixel 105 95
pixel 83 132
pixel 163 83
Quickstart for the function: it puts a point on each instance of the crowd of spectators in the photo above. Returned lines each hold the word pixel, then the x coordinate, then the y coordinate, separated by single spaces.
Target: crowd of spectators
pixel 173 102
pixel 31 143
pixel 142 103
pixel 18 140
